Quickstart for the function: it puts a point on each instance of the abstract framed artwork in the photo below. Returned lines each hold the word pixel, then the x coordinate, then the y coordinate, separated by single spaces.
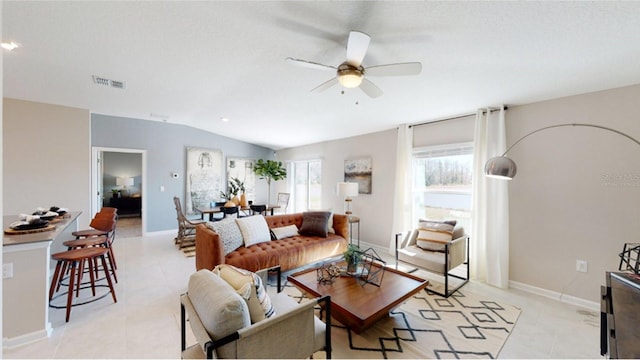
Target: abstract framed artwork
pixel 359 171
pixel 242 168
pixel 204 178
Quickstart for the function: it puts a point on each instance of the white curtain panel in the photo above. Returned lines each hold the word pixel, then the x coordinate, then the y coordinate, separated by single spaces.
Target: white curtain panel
pixel 402 200
pixel 490 220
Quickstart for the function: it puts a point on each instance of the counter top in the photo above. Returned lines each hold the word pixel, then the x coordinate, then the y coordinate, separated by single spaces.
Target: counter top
pixel 36 237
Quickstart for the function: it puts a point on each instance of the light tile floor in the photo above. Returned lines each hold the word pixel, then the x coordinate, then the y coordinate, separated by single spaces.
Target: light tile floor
pixel 145 323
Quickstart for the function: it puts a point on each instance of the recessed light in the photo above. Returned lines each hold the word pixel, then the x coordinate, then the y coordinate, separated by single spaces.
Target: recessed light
pixel 9 45
pixel 224 119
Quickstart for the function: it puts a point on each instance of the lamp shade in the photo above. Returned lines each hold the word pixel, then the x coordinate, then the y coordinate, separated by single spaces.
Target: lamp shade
pixel 347 189
pixel 500 167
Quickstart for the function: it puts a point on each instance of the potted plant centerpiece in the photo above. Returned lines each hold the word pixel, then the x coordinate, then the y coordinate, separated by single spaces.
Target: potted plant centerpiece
pixel 240 186
pixel 270 170
pixel 353 257
pixel 235 185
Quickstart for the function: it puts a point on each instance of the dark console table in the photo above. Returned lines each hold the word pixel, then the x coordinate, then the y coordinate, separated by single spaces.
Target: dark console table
pixel 619 336
pixel 127 206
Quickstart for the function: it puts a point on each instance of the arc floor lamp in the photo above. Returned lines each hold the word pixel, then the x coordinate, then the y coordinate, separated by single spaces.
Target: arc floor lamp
pixel 502 167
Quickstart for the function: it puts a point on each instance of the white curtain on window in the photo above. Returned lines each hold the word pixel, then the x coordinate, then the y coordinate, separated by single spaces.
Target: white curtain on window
pixel 490 221
pixel 402 200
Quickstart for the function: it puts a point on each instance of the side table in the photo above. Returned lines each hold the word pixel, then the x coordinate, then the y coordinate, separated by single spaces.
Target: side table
pixel 354 220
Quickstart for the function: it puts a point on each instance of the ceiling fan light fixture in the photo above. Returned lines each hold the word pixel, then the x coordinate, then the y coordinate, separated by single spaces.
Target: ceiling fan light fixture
pixel 350 80
pixel 350 76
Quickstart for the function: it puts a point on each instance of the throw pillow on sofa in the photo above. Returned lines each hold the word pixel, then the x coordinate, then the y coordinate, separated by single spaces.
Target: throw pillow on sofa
pixel 229 233
pixel 249 286
pixel 434 235
pixel 330 228
pixel 284 232
pixel 254 229
pixel 315 223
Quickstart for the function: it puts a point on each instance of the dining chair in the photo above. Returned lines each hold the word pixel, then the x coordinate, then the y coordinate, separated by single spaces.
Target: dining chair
pixel 230 210
pixel 258 209
pixel 283 201
pixel 186 227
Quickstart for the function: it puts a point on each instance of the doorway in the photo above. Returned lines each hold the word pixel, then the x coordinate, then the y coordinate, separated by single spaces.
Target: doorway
pixel 119 181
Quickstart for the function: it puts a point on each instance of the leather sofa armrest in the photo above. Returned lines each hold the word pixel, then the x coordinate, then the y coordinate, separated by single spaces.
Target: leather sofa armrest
pixel 341 225
pixel 209 250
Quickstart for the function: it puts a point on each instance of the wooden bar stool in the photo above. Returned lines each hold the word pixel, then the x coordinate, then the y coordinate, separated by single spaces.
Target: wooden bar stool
pixel 72 258
pixel 102 224
pixel 102 241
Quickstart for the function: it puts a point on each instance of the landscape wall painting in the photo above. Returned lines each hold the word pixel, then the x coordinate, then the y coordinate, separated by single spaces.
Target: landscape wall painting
pixel 359 171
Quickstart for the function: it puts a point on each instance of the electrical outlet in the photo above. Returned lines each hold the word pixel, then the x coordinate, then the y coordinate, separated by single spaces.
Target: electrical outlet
pixel 7 270
pixel 581 266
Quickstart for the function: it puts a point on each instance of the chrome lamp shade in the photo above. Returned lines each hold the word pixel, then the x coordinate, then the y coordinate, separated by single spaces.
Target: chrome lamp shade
pixel 500 167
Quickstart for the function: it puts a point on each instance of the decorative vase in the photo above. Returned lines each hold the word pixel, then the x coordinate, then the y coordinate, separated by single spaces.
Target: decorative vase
pixel 243 200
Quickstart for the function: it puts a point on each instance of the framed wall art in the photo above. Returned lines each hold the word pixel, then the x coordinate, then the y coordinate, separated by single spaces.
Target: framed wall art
pixel 242 168
pixel 204 178
pixel 359 171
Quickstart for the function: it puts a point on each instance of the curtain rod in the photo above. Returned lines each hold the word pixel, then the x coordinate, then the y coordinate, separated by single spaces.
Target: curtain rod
pixel 451 118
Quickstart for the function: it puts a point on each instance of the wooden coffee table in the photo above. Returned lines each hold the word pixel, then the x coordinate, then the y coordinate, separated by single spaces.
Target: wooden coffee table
pixel 359 306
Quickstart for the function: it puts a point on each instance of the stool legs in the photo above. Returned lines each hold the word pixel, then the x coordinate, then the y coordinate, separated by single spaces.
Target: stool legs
pixel 74 261
pixel 70 293
pixel 106 274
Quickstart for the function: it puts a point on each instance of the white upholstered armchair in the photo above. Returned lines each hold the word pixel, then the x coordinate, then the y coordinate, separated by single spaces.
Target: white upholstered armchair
pixel 440 255
pixel 220 321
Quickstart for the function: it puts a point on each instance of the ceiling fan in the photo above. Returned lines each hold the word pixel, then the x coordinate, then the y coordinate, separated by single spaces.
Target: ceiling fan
pixel 351 73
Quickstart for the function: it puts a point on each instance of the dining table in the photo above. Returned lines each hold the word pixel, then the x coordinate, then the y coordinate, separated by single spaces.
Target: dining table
pixel 218 210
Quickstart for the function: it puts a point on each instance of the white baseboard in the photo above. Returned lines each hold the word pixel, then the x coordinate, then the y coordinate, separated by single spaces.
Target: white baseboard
pixel 591 305
pixel 9 343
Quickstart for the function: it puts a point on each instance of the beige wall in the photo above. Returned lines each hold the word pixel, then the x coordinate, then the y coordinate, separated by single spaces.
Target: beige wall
pixel 47 157
pixel 374 209
pixel 568 201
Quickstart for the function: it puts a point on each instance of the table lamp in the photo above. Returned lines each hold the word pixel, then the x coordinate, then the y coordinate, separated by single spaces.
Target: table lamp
pixel 347 190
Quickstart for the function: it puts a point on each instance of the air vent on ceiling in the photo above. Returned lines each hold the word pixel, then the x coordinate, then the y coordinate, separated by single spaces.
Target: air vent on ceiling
pixel 98 80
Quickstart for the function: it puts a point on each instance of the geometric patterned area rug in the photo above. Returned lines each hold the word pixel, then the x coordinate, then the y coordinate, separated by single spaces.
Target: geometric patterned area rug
pixel 428 326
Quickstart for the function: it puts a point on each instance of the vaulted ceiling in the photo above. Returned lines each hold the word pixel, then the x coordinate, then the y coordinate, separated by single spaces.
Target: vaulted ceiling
pixel 194 63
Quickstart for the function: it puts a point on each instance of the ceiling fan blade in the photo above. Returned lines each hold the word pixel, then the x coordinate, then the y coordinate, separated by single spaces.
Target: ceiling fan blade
pixel 357 47
pixel 310 64
pixel 325 85
pixel 400 69
pixel 370 89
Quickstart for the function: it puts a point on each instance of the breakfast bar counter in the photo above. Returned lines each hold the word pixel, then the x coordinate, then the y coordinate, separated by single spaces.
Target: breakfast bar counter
pixel 27 272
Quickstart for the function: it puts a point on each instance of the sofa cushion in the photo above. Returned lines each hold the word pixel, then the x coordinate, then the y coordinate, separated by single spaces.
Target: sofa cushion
pixel 249 286
pixel 434 235
pixel 284 232
pixel 229 233
pixel 254 229
pixel 315 223
pixel 221 310
pixel 330 228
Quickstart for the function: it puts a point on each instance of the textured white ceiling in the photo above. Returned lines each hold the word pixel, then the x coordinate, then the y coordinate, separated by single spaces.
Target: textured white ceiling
pixel 196 62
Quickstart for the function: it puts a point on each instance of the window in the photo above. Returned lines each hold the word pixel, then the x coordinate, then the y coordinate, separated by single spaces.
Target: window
pixel 442 177
pixel 307 189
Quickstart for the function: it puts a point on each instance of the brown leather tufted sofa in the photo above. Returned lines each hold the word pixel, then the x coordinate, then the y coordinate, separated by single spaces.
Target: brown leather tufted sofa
pixel 289 253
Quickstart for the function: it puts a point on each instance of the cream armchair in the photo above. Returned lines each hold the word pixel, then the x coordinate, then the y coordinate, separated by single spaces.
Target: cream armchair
pixel 454 254
pixel 219 320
